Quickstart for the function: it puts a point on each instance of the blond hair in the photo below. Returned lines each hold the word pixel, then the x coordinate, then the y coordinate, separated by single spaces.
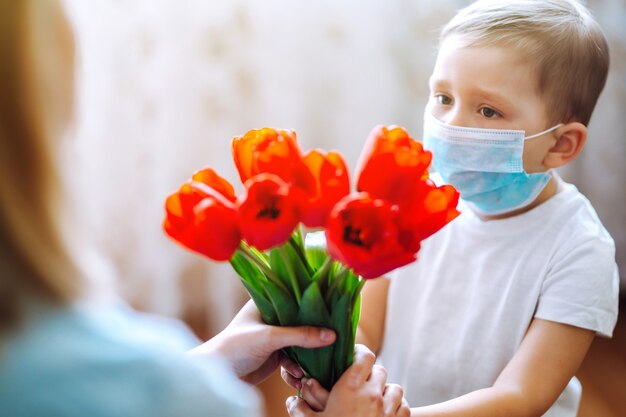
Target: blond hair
pixel 559 37
pixel 34 259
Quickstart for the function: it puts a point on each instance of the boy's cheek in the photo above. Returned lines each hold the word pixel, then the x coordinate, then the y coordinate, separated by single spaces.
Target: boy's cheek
pixel 535 152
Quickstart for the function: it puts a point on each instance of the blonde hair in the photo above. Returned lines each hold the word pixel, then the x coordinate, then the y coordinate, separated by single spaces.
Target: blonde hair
pixel 559 37
pixel 34 259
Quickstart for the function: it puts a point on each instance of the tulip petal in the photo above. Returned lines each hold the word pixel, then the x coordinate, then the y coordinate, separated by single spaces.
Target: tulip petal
pixel 392 157
pixel 431 209
pixel 275 152
pixel 332 184
pixel 209 177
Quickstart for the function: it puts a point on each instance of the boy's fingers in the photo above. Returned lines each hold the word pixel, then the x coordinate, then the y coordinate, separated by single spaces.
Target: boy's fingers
pixel 360 370
pixel 378 377
pixel 392 399
pixel 404 410
pixel 291 367
pixel 296 407
pixel 290 379
pixel 303 336
pixel 314 394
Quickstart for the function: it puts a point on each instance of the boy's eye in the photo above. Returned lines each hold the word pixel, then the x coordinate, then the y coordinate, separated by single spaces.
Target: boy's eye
pixel 445 100
pixel 489 113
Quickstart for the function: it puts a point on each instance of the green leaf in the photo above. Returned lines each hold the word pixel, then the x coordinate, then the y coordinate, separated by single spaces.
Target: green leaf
pixel 277 264
pixel 266 308
pixel 336 286
pixel 253 279
pixel 260 254
pixel 313 310
pixel 247 270
pixel 324 276
pixel 335 297
pixel 297 236
pixel 340 320
pixel 285 306
pixel 318 363
pixel 350 282
pixel 287 264
pixel 300 270
pixel 356 312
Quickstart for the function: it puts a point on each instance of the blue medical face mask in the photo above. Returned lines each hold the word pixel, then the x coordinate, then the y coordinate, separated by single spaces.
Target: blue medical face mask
pixel 484 165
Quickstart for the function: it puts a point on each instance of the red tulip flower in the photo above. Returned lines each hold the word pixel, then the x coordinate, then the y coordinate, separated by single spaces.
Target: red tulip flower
pixel 429 209
pixel 363 233
pixel 332 184
pixel 272 151
pixel 392 165
pixel 203 220
pixel 268 211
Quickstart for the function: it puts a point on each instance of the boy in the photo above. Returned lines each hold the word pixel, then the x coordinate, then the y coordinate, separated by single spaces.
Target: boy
pixel 502 305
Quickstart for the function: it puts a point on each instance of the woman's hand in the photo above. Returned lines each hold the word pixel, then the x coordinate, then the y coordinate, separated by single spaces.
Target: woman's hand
pixel 253 348
pixel 361 391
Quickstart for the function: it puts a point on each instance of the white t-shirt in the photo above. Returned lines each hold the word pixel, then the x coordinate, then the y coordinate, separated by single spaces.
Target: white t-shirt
pixel 457 315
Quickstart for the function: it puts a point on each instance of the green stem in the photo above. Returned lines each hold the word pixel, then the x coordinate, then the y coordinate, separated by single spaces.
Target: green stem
pixel 245 251
pixel 292 276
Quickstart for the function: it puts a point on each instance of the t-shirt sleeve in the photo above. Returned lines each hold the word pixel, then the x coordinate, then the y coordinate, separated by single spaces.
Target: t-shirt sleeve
pixel 581 286
pixel 178 384
pixel 205 388
pixel 110 361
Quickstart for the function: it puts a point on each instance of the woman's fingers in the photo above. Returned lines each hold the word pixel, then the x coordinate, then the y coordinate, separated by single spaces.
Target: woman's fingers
pixel 296 407
pixel 392 399
pixel 314 394
pixel 261 373
pixel 303 336
pixel 249 313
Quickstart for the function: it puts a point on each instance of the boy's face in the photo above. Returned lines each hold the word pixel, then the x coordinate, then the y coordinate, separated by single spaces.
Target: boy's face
pixel 489 87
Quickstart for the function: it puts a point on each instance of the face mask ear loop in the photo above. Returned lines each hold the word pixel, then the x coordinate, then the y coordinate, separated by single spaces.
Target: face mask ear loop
pixel 536 135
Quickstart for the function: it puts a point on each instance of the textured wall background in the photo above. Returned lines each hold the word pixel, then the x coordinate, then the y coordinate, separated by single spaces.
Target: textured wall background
pixel 164 85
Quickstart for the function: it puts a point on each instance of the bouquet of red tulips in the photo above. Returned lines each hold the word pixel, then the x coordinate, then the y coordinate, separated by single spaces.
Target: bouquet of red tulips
pixel 314 279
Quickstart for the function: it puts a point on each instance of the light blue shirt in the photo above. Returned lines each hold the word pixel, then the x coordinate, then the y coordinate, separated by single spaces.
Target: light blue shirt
pixel 112 362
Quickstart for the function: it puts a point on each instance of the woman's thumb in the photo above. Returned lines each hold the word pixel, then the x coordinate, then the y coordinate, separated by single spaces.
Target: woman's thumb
pixel 297 407
pixel 304 336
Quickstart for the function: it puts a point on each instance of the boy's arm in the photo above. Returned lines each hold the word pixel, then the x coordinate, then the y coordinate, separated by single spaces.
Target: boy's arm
pixel 532 381
pixel 371 326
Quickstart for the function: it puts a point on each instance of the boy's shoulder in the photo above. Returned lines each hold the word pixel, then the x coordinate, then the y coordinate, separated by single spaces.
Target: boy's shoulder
pixel 575 213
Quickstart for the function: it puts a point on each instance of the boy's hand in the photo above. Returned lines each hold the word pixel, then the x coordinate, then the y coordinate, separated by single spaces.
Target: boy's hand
pixel 361 391
pixel 253 348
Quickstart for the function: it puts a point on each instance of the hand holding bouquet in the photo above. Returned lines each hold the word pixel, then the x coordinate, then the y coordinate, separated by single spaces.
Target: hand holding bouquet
pixel 314 279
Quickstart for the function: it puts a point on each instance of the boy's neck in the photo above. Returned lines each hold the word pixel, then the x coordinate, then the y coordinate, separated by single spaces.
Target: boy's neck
pixel 548 192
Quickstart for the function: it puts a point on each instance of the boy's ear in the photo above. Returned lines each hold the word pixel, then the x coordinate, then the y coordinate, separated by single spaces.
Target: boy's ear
pixel 570 139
